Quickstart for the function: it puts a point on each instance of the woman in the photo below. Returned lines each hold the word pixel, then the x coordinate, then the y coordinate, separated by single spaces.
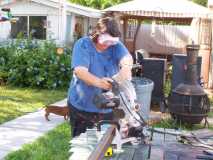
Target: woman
pixel 95 60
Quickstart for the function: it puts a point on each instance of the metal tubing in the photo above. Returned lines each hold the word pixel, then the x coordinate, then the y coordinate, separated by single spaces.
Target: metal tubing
pixel 104 143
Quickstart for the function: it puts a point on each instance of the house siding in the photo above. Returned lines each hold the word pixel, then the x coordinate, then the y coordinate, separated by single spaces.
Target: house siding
pixel 55 30
pixel 31 8
pixel 52 27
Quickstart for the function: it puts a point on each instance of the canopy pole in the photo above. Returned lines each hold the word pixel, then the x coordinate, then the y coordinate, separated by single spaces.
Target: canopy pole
pixel 125 29
pixel 136 34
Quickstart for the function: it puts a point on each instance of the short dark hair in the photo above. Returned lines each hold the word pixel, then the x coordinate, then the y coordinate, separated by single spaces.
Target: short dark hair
pixel 111 25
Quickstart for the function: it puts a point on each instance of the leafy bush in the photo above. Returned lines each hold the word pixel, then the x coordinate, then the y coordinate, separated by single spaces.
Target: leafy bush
pixel 28 63
pixel 167 85
pixel 5 57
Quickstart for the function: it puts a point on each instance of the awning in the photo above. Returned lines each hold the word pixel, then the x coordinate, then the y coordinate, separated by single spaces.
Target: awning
pixel 161 8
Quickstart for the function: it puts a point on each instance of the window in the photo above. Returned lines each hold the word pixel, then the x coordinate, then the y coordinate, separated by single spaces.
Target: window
pixel 36 28
pixel 132 26
pixel 79 28
pixel 19 28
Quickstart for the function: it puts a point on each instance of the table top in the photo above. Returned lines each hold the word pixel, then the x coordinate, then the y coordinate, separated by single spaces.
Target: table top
pixel 130 152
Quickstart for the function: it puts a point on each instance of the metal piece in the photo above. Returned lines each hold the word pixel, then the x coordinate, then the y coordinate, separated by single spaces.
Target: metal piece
pixel 104 143
pixel 189 109
pixel 208 152
pixel 188 102
pixel 149 151
pixel 176 133
pixel 191 86
pixel 205 157
pixel 111 122
pixel 187 89
pixel 152 133
pixel 195 142
pixel 189 138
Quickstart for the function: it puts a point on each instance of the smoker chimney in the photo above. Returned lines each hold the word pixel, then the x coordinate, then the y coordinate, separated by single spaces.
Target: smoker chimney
pixel 191 86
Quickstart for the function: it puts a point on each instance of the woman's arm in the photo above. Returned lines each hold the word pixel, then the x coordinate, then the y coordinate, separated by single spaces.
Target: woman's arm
pixel 125 73
pixel 90 79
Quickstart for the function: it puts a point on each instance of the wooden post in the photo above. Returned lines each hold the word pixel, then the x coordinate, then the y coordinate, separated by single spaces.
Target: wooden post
pixel 125 29
pixel 210 85
pixel 136 34
pixel 205 43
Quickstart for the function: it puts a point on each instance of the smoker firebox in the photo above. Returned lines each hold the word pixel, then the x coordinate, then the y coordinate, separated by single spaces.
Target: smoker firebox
pixel 188 102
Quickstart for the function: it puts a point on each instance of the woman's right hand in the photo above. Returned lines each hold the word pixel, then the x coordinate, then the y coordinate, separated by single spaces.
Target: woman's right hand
pixel 105 83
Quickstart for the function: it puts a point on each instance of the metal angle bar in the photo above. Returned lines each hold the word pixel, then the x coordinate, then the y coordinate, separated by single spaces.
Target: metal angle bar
pixel 104 143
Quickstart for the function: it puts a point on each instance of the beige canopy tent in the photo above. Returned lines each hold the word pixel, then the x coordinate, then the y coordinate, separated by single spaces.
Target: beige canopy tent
pixel 167 10
pixel 161 8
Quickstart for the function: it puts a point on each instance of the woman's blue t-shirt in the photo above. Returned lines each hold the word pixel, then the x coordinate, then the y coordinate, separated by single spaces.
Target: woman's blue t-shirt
pixel 104 64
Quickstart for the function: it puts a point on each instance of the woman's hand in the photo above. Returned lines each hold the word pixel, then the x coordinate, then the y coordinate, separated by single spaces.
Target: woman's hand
pixel 104 83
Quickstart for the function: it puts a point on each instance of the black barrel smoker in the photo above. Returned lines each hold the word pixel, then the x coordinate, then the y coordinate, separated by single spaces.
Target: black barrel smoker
pixel 188 102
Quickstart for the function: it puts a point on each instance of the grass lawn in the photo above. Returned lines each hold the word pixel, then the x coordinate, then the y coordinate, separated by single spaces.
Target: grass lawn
pixel 15 102
pixel 55 144
pixel 169 123
pixel 211 110
pixel 211 114
pixel 52 146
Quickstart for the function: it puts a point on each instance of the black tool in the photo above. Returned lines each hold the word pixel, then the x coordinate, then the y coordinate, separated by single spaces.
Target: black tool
pixel 5 9
pixel 208 152
pixel 108 99
pixel 206 157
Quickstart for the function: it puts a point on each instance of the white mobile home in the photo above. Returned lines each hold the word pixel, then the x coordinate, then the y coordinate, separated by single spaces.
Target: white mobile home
pixel 59 20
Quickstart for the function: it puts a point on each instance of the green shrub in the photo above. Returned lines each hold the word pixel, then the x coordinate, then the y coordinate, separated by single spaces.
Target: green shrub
pixel 5 57
pixel 167 85
pixel 28 63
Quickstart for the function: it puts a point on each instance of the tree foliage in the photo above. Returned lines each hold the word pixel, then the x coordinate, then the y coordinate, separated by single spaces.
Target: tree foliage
pixel 98 4
pixel 201 2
